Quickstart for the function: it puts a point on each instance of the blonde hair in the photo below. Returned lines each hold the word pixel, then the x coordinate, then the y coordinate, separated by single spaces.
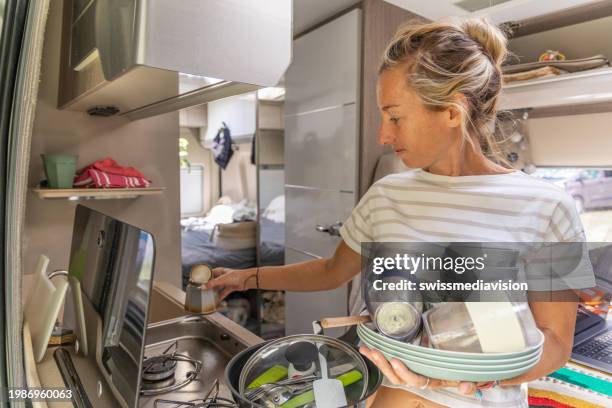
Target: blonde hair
pixel 444 59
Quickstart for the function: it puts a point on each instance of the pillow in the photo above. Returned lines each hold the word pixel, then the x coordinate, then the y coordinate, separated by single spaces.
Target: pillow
pixel 275 211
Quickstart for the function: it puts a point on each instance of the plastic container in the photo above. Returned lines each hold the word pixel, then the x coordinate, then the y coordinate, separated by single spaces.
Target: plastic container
pixel 60 169
pixel 398 320
pixel 481 327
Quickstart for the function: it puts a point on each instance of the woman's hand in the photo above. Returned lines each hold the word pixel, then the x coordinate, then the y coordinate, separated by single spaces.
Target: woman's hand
pixel 226 280
pixel 399 374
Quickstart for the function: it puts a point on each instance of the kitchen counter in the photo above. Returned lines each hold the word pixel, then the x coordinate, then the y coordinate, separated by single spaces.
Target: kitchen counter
pixel 213 339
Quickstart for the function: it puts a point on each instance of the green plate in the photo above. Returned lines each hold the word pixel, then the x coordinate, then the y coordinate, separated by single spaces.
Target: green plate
pixel 432 371
pixel 476 366
pixel 455 354
pixel 405 353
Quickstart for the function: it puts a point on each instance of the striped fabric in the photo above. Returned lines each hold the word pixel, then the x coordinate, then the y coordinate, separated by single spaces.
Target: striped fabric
pixel 92 178
pixel 417 206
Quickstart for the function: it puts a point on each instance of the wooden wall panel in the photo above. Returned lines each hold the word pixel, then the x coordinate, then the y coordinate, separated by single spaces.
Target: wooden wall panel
pixel 380 21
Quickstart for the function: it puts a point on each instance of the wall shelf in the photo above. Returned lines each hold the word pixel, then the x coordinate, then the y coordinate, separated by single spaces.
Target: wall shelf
pixel 580 88
pixel 75 194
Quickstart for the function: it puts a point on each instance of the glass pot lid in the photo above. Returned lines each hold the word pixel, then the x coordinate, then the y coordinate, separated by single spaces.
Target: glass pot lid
pixel 283 371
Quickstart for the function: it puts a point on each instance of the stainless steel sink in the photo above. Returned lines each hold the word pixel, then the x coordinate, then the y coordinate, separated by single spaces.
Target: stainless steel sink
pixel 200 337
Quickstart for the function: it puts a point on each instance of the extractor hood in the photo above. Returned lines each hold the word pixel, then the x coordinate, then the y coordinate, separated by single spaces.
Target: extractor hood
pixel 123 53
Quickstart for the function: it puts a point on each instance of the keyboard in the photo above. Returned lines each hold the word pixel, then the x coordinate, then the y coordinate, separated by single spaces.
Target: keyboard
pixel 598 348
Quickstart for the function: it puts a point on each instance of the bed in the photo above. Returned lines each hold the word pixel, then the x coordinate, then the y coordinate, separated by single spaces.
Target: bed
pixel 197 247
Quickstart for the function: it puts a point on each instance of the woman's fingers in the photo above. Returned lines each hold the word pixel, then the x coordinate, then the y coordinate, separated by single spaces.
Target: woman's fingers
pixel 381 362
pixel 225 293
pixel 398 373
pixel 222 278
pixel 467 388
pixel 219 271
pixel 407 376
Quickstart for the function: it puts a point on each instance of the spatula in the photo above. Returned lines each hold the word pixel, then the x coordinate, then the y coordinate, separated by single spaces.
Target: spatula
pixel 328 392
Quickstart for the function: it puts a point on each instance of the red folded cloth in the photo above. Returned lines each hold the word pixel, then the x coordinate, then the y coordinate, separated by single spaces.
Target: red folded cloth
pixel 106 173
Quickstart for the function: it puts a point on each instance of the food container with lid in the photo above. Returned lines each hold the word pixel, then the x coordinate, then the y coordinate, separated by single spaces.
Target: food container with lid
pixel 481 327
pixel 197 299
pixel 398 320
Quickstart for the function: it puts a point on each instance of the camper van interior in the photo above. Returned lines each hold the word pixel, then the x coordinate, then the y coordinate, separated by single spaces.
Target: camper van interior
pixel 145 140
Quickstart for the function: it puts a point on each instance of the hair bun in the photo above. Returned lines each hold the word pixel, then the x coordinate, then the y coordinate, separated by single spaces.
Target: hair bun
pixel 489 36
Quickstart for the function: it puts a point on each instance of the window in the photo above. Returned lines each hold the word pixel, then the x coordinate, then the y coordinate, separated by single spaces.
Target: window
pixel 192 190
pixel 591 189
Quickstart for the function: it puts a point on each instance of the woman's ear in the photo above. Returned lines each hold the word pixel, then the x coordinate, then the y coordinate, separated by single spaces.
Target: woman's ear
pixel 457 109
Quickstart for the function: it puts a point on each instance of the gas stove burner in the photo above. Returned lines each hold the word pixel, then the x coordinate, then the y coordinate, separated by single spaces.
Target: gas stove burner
pixel 159 368
pixel 158 372
pixel 211 400
pixel 216 403
pixel 158 385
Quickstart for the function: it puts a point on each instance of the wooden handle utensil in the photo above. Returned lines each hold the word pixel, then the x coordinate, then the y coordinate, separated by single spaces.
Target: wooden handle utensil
pixel 331 322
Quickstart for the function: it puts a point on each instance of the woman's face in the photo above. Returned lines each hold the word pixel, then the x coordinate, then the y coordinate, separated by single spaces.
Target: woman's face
pixel 421 137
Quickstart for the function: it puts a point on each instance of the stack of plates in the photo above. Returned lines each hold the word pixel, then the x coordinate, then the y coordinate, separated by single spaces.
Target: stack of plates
pixel 454 365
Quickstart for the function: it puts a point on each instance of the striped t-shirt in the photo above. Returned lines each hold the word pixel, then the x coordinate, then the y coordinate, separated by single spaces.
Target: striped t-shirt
pixel 417 206
pixel 421 206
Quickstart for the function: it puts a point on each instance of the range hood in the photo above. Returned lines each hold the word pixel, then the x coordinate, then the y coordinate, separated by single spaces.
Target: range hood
pixel 125 53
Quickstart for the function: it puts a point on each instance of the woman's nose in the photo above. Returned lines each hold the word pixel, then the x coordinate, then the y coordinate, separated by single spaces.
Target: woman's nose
pixel 384 137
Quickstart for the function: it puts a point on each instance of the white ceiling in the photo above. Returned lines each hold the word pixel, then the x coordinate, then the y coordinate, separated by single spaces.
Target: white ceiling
pixel 307 13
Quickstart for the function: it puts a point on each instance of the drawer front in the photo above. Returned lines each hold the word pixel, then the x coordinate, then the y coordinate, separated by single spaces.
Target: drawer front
pixel 302 308
pixel 307 208
pixel 321 149
pixel 325 70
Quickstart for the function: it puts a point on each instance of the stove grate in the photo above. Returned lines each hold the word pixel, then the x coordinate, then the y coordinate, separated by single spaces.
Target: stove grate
pixel 211 400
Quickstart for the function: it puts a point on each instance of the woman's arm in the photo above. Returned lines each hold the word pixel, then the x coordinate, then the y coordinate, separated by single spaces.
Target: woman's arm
pixel 309 276
pixel 557 321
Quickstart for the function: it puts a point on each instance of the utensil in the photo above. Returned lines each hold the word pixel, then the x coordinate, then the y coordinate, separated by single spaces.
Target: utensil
pixel 328 392
pixel 333 322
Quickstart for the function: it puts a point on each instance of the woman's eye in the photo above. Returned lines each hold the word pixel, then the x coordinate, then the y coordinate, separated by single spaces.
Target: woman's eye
pixel 394 120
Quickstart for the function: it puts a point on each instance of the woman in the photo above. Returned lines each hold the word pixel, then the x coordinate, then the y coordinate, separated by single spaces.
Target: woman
pixel 438 89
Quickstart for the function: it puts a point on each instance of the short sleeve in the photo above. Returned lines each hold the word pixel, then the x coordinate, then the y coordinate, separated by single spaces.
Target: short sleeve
pixel 565 224
pixel 562 261
pixel 358 227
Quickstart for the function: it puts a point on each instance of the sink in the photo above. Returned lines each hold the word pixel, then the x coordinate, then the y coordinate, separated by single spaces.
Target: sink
pixel 204 338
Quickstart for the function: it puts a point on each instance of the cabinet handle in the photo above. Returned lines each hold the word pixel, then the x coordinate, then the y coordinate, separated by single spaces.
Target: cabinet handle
pixel 331 229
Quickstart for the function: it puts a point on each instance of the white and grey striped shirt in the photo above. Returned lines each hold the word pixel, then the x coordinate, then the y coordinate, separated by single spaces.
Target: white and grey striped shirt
pixel 420 206
pixel 417 206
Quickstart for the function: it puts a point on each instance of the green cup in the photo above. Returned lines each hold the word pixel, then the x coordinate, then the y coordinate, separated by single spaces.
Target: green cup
pixel 60 169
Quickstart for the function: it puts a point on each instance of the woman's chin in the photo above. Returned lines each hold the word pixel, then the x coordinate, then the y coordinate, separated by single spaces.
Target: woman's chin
pixel 411 164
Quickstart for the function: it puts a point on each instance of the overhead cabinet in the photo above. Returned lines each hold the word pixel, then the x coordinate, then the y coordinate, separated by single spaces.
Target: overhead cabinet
pixel 580 88
pixel 130 56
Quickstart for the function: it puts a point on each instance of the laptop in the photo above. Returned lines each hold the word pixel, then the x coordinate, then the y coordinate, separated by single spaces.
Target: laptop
pixel 593 333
